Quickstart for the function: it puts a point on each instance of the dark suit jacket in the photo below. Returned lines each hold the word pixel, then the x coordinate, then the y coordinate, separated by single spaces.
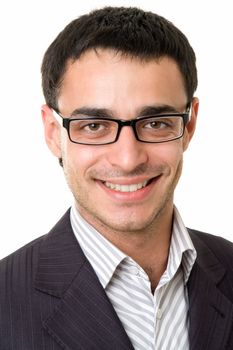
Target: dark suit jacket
pixel 51 299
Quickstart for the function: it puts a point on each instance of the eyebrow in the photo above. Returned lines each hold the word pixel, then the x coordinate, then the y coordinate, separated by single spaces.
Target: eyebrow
pixel 106 113
pixel 96 112
pixel 158 109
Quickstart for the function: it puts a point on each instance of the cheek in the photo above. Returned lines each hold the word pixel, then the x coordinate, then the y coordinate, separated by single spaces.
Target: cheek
pixel 80 158
pixel 170 154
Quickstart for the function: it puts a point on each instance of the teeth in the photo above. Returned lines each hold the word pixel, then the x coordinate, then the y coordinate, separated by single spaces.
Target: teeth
pixel 126 188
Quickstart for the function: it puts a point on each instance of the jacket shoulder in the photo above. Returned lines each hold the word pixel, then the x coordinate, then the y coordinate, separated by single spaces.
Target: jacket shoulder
pixel 20 266
pixel 32 248
pixel 220 247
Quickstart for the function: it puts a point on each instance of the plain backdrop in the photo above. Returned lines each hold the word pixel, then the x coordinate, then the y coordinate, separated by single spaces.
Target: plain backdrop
pixel 33 192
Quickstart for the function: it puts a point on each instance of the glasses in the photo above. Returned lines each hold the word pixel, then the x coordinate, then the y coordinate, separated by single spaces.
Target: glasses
pixel 104 131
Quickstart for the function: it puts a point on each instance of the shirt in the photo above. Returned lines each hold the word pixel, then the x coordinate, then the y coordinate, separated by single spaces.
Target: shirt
pixel 152 321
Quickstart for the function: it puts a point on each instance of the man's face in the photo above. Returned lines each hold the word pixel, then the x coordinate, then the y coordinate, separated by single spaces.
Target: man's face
pixel 128 185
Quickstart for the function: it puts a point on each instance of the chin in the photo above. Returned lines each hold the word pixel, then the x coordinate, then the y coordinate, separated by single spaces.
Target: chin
pixel 127 223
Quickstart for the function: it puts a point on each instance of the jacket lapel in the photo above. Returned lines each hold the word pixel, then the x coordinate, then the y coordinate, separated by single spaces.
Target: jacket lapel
pixel 84 318
pixel 211 312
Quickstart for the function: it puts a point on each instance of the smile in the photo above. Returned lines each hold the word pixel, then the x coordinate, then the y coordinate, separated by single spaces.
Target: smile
pixel 126 188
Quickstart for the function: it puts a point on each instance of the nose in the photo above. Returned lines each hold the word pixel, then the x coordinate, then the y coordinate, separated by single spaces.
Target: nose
pixel 127 153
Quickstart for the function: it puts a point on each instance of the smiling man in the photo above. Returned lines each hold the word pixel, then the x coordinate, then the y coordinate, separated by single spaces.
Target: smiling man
pixel 120 270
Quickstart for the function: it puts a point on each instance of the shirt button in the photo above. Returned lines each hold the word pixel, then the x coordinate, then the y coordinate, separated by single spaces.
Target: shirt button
pixel 134 270
pixel 159 314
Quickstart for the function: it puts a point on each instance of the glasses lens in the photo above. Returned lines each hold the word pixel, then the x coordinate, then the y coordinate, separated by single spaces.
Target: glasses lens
pixel 158 129
pixel 93 131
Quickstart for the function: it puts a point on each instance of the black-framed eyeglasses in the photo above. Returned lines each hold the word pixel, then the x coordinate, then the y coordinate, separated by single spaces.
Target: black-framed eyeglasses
pixel 91 130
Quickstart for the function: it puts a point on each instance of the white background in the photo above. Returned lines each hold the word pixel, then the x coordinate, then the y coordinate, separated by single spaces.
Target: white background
pixel 33 193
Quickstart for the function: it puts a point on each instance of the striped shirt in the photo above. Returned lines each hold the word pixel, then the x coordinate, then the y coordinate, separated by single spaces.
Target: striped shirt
pixel 152 321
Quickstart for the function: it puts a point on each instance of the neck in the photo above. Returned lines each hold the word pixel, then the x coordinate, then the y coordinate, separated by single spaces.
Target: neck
pixel 148 247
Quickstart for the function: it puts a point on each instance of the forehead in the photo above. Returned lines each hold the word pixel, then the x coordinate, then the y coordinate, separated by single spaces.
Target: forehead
pixel 107 79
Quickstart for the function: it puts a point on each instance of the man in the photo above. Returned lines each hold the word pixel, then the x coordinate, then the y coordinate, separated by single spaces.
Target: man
pixel 119 270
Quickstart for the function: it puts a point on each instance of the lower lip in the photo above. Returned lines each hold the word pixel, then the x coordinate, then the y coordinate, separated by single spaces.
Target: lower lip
pixel 141 194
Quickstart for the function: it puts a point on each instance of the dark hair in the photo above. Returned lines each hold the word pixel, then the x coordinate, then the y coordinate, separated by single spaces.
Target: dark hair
pixel 130 31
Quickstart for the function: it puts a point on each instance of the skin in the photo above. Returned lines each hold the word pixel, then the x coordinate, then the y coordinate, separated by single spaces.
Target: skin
pixel 139 223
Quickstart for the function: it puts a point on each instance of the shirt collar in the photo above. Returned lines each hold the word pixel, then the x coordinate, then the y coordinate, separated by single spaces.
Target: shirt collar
pixel 102 254
pixel 105 257
pixel 182 251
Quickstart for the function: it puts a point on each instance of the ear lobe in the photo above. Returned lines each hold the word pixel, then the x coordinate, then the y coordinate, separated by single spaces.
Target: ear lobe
pixel 191 126
pixel 51 131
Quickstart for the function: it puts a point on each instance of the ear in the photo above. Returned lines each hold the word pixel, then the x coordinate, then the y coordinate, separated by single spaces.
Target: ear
pixel 191 126
pixel 51 131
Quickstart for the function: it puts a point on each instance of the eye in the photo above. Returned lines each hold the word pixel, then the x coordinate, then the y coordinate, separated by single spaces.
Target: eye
pixel 157 124
pixel 89 126
pixel 94 126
